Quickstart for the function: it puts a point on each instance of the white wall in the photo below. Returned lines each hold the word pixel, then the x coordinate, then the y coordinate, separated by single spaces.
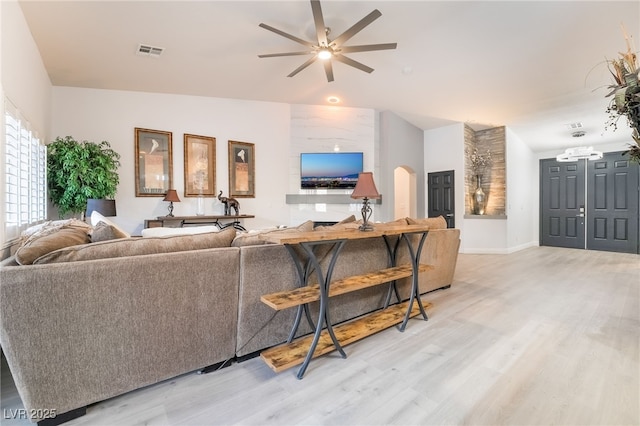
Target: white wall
pixel 96 115
pixel 23 78
pixel 316 128
pixel 444 150
pixel 522 194
pixel 401 144
pixel 405 203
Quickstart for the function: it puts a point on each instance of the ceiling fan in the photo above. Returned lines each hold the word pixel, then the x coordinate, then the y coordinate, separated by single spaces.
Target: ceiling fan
pixel 327 49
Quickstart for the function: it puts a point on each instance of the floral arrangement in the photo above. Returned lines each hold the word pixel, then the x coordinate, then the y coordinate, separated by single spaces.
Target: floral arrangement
pixel 626 95
pixel 479 161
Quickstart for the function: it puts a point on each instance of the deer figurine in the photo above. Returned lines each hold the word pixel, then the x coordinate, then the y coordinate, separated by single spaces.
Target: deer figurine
pixel 229 203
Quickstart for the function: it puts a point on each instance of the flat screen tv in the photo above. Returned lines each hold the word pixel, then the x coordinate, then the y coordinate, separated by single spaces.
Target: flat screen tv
pixel 330 170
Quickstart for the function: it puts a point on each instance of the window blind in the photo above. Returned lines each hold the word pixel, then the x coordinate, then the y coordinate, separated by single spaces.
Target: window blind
pixel 25 159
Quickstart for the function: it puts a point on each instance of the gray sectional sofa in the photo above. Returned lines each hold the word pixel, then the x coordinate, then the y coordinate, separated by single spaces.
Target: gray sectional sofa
pixel 97 320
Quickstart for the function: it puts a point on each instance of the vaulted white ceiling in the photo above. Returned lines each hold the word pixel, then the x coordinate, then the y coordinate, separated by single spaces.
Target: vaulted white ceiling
pixel 534 66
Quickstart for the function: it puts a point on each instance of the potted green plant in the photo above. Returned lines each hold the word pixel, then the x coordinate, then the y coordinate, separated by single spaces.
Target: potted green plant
pixel 626 96
pixel 77 171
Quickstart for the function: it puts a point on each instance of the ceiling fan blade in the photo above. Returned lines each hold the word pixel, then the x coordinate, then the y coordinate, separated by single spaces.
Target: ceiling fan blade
pixel 303 66
pixel 356 28
pixel 328 69
pixel 321 31
pixel 289 36
pixel 273 55
pixel 368 47
pixel 352 63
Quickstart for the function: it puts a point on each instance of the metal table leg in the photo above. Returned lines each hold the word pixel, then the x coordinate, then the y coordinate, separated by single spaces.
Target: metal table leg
pixel 324 281
pixel 415 292
pixel 303 279
pixel 392 253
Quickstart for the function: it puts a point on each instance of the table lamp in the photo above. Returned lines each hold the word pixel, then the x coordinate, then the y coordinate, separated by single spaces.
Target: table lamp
pixel 365 189
pixel 171 197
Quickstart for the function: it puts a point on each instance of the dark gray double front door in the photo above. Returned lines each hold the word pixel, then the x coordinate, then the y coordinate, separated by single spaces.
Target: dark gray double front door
pixel 590 204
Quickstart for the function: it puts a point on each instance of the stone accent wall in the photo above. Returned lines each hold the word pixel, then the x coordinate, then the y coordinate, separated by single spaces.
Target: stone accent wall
pixel 493 177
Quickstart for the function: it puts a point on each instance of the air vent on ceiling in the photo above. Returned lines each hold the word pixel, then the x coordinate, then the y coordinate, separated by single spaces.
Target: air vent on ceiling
pixel 146 50
pixel 574 126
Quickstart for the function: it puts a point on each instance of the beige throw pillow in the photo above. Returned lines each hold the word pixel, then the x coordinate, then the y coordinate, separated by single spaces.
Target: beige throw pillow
pixel 97 217
pixel 104 232
pixel 433 222
pixel 38 245
pixel 346 223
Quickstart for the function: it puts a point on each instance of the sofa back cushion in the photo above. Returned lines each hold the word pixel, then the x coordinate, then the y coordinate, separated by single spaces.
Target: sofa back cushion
pixel 168 232
pixel 433 222
pixel 138 246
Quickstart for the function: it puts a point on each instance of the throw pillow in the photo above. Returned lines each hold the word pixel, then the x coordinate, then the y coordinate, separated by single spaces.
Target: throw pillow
pixel 97 218
pixel 38 246
pixel 346 223
pixel 35 229
pixel 49 227
pixel 104 232
pixel 433 222
pixel 125 247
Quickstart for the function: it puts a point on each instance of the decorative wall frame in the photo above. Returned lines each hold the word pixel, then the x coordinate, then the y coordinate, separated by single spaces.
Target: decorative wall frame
pixel 154 162
pixel 199 166
pixel 241 170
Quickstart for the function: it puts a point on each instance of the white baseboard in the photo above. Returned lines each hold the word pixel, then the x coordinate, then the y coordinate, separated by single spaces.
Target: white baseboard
pixel 506 250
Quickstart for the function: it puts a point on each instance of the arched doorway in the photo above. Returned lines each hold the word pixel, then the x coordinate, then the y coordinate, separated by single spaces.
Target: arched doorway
pixel 405 193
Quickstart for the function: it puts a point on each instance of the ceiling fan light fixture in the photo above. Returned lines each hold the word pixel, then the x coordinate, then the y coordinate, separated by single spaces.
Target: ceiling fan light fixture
pixel 325 49
pixel 324 54
pixel 579 153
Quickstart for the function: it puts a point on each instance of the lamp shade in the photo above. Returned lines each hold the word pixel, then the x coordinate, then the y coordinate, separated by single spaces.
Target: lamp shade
pixel 365 187
pixel 172 195
pixel 102 206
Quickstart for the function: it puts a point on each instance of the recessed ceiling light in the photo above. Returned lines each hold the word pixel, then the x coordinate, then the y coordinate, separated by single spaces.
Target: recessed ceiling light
pixel 333 99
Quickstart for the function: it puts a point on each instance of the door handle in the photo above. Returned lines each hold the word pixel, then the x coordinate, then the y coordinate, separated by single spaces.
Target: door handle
pixel 449 215
pixel 580 215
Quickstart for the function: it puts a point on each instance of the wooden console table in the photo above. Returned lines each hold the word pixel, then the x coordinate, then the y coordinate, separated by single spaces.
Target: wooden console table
pixel 327 339
pixel 180 221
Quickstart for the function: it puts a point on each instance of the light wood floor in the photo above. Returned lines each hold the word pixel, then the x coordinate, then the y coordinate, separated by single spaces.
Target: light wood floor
pixel 544 336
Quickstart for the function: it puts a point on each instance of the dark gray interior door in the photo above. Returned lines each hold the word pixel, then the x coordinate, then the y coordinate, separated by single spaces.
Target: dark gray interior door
pixel 562 203
pixel 441 198
pixel 612 204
